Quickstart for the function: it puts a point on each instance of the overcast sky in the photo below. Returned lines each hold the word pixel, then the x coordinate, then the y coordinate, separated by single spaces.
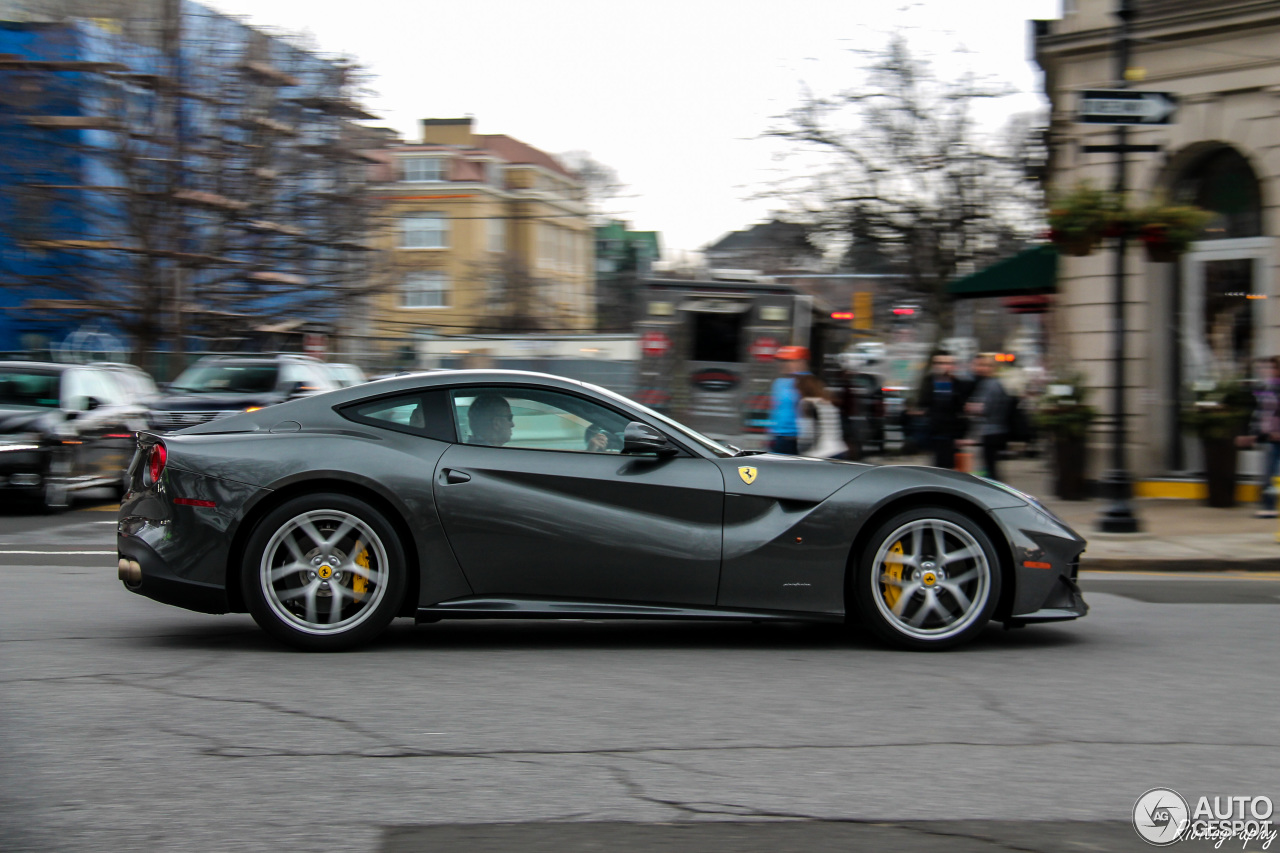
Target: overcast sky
pixel 673 94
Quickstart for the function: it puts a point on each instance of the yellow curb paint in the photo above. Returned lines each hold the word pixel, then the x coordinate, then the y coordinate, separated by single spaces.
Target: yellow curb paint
pixel 1192 490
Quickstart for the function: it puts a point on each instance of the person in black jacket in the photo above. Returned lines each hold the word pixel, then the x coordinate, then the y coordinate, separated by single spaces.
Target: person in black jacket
pixel 941 402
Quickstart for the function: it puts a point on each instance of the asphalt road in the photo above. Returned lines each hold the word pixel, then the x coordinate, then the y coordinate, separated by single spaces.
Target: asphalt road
pixel 127 725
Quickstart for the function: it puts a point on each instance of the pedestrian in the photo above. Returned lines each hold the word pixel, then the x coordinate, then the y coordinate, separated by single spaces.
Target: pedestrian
pixel 819 431
pixel 784 399
pixel 941 402
pixel 988 414
pixel 1264 432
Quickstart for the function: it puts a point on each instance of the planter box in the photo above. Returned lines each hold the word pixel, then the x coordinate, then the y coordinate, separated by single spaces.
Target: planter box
pixel 1220 471
pixel 1069 455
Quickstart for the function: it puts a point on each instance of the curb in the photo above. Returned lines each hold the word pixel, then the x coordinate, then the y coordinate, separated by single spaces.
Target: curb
pixel 1193 564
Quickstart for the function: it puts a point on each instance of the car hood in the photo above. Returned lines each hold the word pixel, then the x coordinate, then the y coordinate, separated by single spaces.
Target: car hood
pixel 22 419
pixel 212 402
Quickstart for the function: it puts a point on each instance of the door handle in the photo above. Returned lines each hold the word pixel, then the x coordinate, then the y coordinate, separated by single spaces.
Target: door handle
pixel 454 476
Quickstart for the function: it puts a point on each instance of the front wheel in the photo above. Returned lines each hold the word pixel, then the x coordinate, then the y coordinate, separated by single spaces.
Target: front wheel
pixel 929 579
pixel 324 572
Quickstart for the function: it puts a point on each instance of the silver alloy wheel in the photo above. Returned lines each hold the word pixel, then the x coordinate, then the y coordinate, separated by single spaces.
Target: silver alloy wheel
pixel 931 579
pixel 311 572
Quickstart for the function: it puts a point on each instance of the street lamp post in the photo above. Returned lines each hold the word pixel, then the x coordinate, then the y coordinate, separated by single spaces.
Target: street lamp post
pixel 1117 483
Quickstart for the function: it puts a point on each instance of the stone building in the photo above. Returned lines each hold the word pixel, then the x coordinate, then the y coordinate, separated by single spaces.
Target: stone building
pixel 1217 306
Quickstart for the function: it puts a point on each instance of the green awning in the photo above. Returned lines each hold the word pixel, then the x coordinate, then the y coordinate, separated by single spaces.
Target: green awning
pixel 1031 272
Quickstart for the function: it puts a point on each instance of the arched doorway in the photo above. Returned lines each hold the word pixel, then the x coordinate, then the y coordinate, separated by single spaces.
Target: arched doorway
pixel 1224 276
pixel 1224 281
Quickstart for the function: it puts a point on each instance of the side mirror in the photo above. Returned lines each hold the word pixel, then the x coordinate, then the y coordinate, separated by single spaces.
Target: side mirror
pixel 299 389
pixel 91 403
pixel 642 438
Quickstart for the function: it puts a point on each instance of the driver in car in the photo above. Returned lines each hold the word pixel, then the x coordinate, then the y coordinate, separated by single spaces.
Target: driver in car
pixel 490 420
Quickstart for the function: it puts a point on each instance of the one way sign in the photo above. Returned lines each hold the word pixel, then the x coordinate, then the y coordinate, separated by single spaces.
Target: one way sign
pixel 1125 106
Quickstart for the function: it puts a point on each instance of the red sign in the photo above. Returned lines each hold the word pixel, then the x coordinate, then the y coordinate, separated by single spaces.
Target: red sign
pixel 763 349
pixel 313 344
pixel 655 344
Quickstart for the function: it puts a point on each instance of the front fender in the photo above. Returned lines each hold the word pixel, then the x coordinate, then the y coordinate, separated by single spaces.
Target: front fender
pixel 793 554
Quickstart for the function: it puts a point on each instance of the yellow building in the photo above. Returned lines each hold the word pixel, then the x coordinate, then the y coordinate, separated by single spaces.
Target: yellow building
pixel 485 234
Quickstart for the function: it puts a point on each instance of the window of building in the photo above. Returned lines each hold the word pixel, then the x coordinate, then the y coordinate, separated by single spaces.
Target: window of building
pixel 424 231
pixel 421 169
pixel 425 290
pixel 497 234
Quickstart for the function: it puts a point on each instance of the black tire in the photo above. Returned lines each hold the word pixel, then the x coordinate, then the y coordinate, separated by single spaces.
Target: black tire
pixel 921 601
pixel 54 496
pixel 286 595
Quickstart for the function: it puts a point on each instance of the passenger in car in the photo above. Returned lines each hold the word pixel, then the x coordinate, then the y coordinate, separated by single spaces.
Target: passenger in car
pixel 490 420
pixel 600 440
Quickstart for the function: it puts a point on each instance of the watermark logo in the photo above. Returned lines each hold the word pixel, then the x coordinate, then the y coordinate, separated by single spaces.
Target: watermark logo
pixel 1161 816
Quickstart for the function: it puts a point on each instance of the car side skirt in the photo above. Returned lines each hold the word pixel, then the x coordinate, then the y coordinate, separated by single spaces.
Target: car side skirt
pixel 490 607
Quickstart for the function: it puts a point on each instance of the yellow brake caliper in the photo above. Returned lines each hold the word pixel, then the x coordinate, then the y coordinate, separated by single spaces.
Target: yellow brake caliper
pixel 358 583
pixel 893 569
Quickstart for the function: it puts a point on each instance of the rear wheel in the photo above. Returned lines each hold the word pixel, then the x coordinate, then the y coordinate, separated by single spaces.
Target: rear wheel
pixel 324 572
pixel 929 579
pixel 54 494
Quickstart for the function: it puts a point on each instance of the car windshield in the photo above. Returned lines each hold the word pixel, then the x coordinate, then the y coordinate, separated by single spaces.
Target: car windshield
pixel 29 388
pixel 708 444
pixel 227 378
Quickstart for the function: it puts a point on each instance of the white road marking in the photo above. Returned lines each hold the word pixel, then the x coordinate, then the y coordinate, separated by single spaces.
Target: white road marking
pixel 57 552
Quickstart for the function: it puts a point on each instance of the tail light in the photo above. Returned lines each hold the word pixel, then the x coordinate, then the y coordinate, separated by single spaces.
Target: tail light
pixel 156 457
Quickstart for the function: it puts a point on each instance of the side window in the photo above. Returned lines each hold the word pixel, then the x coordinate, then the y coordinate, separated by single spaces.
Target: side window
pixel 318 378
pixel 75 387
pixel 421 413
pixel 104 386
pixel 536 420
pixel 291 373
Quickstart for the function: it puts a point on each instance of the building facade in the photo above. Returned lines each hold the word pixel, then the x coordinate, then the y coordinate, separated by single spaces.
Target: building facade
pixel 488 235
pixel 623 258
pixel 1205 316
pixel 174 181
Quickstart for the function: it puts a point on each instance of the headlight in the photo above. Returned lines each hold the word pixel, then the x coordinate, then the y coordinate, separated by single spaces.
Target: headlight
pixel 20 441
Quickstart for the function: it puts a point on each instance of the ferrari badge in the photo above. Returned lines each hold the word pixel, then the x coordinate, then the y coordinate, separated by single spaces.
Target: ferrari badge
pixel 748 474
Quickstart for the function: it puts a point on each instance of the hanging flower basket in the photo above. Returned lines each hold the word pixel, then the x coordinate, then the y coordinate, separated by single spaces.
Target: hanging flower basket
pixel 1078 245
pixel 1161 252
pixel 1081 218
pixel 1167 230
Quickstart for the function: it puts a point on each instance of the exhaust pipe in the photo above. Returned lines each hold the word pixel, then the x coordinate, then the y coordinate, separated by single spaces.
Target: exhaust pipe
pixel 130 572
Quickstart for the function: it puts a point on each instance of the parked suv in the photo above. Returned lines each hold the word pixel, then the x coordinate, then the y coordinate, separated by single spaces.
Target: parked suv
pixel 64 428
pixel 217 386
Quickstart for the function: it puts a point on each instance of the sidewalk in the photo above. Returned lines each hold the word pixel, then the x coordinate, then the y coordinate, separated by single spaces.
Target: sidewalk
pixel 1176 535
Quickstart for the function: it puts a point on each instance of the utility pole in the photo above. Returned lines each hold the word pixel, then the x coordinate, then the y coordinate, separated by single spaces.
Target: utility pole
pixel 1117 483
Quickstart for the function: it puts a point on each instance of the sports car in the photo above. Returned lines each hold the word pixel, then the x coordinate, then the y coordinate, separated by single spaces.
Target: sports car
pixel 481 494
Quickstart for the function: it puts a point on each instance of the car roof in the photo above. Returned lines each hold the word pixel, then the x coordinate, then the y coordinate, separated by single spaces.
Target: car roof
pixel 40 365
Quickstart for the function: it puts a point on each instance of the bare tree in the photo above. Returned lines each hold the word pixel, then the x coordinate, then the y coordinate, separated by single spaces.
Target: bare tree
pixel 190 180
pixel 899 177
pixel 600 182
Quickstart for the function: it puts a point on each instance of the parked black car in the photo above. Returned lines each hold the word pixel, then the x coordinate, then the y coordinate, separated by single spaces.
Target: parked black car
pixel 64 428
pixel 218 386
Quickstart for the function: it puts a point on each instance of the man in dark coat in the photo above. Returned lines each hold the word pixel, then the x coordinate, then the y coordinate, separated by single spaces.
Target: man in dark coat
pixel 941 402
